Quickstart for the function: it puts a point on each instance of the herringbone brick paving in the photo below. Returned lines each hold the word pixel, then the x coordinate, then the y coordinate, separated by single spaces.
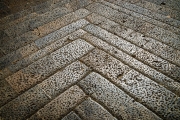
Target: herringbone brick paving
pixel 91 60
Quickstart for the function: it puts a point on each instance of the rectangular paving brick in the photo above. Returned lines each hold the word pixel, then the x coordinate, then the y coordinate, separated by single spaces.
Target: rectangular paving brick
pixel 41 31
pixel 118 102
pixel 145 14
pixel 71 116
pixel 129 60
pixel 44 51
pixel 142 14
pixel 139 53
pixel 137 38
pixel 60 33
pixel 6 92
pixel 60 105
pixel 37 71
pixel 91 110
pixel 140 87
pixel 37 21
pixel 40 43
pixel 33 99
pixel 136 24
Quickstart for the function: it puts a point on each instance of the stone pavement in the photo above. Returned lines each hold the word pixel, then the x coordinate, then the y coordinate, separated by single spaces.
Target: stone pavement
pixel 91 60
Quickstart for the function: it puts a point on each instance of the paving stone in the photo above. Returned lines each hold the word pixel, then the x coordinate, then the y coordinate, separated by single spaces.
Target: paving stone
pixel 165 36
pixel 146 15
pixel 42 68
pixel 60 33
pixel 37 33
pixel 139 53
pixel 122 105
pixel 135 24
pixel 51 87
pixel 24 104
pixel 6 92
pixel 91 110
pixel 139 39
pixel 150 72
pixel 151 94
pixel 60 105
pixel 138 12
pixel 63 79
pixel 71 116
pixel 38 21
pixel 44 51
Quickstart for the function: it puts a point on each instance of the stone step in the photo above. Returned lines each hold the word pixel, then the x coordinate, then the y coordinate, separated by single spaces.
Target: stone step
pixel 61 105
pixel 27 38
pixel 158 77
pixel 91 110
pixel 145 15
pixel 147 43
pixel 35 98
pixel 122 105
pixel 154 96
pixel 136 24
pixel 140 54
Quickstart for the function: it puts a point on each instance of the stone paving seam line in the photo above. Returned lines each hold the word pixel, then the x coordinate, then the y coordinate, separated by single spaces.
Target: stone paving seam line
pixel 117 86
pixel 151 41
pixel 172 44
pixel 144 17
pixel 74 15
pixel 86 111
pixel 89 95
pixel 28 16
pixel 70 117
pixel 143 13
pixel 158 80
pixel 156 8
pixel 140 58
pixel 20 64
pixel 60 69
pixel 48 41
pixel 138 90
pixel 57 108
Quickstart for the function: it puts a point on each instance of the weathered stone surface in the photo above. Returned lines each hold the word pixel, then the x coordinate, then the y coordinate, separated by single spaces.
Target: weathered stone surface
pixel 148 71
pixel 42 68
pixel 122 105
pixel 134 23
pixel 49 89
pixel 60 105
pixel 139 53
pixel 6 92
pixel 142 14
pixel 139 39
pixel 71 116
pixel 60 33
pixel 44 51
pixel 91 110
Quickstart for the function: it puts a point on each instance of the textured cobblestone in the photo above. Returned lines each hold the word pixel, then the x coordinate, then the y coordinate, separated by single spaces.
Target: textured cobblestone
pixel 90 110
pixel 90 60
pixel 122 105
pixel 139 53
pixel 135 24
pixel 71 116
pixel 60 105
pixel 42 68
